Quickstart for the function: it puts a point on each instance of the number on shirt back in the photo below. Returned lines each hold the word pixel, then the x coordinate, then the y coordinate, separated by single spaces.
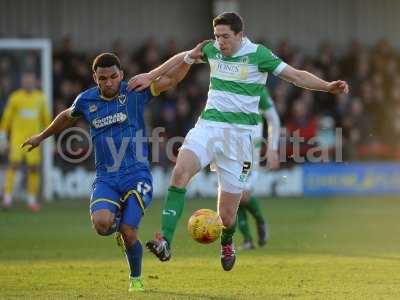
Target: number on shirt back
pixel 143 188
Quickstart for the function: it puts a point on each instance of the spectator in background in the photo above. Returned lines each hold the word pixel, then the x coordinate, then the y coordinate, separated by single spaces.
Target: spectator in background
pixel 372 71
pixel 184 118
pixel 5 90
pixel 171 49
pixel 301 127
pixel 326 138
pixel 396 129
pixel 148 56
pixel 356 128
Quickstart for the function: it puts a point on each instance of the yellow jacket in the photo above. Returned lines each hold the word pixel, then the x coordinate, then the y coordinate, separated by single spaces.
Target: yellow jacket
pixel 25 114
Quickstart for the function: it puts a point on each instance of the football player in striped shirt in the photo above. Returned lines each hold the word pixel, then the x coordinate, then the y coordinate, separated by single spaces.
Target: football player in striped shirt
pixel 223 135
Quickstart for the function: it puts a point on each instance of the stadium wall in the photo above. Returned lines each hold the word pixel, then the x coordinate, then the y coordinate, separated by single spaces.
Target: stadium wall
pixel 359 179
pixel 309 180
pixel 94 24
pixel 351 179
pixel 338 21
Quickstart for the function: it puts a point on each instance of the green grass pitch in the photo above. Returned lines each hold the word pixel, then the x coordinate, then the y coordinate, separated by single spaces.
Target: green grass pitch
pixel 338 248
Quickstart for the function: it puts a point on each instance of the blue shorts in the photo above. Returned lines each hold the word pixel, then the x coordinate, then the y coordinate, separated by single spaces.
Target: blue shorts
pixel 128 194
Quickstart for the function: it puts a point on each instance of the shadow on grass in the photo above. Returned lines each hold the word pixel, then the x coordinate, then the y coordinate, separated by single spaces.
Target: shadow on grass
pixel 174 295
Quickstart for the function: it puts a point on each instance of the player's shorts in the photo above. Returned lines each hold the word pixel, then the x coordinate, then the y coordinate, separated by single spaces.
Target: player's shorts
pixel 18 155
pixel 125 193
pixel 252 180
pixel 229 151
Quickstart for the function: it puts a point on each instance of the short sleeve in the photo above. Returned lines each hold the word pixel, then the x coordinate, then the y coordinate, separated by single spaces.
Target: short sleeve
pixel 268 62
pixel 77 107
pixel 206 51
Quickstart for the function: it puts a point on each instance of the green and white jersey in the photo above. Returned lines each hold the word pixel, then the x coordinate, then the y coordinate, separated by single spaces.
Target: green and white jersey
pixel 264 105
pixel 237 84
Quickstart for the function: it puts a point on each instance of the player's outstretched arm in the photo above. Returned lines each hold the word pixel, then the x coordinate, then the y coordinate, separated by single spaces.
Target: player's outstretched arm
pixel 309 81
pixel 173 67
pixel 178 72
pixel 61 122
pixel 170 79
pixel 144 80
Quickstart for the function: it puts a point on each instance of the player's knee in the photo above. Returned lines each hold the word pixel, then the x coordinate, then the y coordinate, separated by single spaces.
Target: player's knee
pixel 102 225
pixel 180 176
pixel 129 234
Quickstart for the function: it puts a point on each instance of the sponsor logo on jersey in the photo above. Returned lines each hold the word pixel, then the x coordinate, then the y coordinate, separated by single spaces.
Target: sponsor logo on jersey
pixel 229 70
pixel 109 120
pixel 28 113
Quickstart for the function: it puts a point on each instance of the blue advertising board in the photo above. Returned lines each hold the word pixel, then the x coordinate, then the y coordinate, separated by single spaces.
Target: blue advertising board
pixel 351 179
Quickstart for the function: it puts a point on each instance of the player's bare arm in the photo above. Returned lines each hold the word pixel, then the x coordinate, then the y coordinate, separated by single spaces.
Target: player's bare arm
pixel 174 70
pixel 274 126
pixel 143 81
pixel 170 79
pixel 309 81
pixel 60 123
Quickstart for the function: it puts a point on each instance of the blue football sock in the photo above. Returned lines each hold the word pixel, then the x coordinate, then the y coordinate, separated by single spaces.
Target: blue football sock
pixel 134 256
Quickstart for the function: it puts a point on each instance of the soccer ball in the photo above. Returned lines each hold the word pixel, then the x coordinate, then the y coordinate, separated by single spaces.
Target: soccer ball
pixel 205 226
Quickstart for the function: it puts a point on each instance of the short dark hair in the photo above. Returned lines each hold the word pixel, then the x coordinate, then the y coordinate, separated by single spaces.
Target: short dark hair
pixel 229 18
pixel 105 60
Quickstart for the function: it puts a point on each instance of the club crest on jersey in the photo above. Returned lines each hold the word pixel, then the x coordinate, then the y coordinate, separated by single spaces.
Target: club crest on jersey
pixel 122 99
pixel 92 108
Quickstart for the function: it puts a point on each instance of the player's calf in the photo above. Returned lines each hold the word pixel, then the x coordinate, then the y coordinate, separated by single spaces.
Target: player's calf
pixel 129 235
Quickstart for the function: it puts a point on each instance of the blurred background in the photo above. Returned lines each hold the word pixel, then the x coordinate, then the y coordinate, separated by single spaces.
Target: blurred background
pixel 355 40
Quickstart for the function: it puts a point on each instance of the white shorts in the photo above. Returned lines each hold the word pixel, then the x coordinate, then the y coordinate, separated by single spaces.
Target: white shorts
pixel 229 151
pixel 252 180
